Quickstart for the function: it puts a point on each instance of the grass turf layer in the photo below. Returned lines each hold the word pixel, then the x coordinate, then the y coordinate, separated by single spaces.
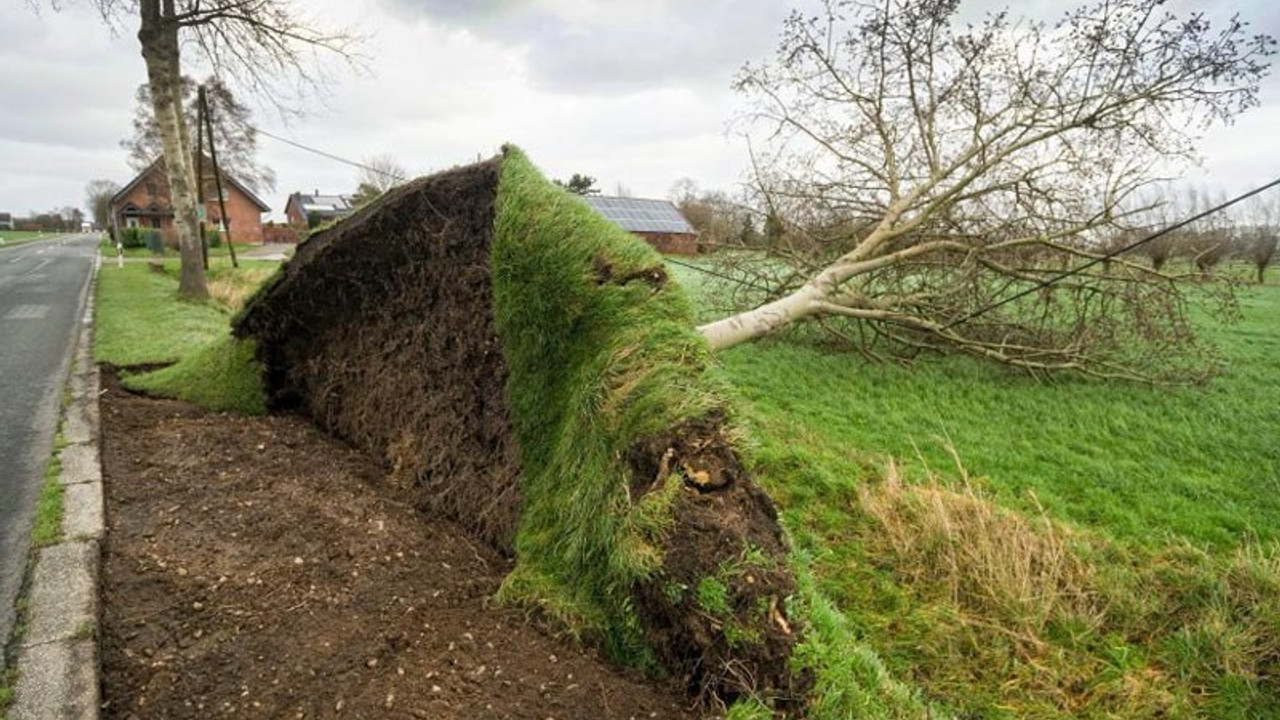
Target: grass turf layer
pixel 608 382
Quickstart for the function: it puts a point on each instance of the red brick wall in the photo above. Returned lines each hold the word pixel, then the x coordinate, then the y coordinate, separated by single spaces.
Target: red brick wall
pixel 280 234
pixel 672 243
pixel 245 215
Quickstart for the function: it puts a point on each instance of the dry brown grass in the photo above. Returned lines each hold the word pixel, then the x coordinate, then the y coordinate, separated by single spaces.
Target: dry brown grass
pixel 1010 572
pixel 233 289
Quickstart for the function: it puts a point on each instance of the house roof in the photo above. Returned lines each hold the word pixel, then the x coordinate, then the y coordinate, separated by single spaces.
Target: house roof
pixel 158 164
pixel 323 204
pixel 641 214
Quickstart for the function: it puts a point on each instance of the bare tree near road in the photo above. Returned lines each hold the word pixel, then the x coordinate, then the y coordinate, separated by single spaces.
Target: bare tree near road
pixel 252 43
pixel 97 197
pixel 922 171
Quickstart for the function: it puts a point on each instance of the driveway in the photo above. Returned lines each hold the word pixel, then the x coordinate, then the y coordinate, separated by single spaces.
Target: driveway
pixel 42 287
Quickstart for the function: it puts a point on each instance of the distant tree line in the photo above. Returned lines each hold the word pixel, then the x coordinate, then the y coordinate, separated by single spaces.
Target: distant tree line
pixel 67 219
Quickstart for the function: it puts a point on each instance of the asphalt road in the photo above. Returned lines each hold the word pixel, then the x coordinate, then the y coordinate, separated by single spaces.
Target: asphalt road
pixel 41 305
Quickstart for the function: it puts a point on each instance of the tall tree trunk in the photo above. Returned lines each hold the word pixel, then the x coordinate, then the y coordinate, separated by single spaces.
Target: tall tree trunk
pixel 160 50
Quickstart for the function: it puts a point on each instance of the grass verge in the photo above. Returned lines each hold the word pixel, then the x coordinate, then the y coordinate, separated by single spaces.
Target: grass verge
pixel 141 320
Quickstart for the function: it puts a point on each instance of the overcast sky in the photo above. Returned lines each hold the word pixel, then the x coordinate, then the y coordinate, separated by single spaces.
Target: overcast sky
pixel 633 92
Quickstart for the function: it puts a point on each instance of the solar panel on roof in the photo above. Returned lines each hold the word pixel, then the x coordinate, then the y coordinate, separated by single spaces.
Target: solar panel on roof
pixel 641 214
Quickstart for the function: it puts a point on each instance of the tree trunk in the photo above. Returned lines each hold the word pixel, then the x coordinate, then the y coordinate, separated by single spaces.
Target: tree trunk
pixel 160 50
pixel 763 320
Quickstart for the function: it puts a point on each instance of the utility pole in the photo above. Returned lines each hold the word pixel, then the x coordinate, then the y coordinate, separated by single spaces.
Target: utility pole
pixel 217 176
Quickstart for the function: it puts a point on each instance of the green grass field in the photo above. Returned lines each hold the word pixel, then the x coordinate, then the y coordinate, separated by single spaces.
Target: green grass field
pixel 1019 547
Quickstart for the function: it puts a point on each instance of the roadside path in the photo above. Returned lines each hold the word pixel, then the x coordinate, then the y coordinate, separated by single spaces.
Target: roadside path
pixel 42 285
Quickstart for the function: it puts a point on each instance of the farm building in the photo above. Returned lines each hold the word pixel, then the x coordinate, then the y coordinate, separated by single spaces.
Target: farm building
pixel 145 202
pixel 6 221
pixel 311 210
pixel 657 222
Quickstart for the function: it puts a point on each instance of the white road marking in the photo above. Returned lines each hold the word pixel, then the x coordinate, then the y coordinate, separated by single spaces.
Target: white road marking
pixel 41 264
pixel 27 312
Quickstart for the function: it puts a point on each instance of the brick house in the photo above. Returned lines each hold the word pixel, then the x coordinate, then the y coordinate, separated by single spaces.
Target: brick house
pixel 145 202
pixel 657 222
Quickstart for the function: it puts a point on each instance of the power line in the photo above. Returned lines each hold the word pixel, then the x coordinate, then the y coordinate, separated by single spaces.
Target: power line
pixel 1110 255
pixel 331 156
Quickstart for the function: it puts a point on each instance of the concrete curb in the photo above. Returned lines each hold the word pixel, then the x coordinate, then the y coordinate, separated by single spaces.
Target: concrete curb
pixel 58 656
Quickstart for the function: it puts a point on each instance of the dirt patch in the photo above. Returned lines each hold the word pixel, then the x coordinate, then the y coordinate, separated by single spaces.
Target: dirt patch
pixel 255 567
pixel 382 329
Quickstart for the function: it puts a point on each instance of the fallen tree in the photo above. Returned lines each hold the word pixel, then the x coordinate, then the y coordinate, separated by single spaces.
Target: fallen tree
pixel 915 172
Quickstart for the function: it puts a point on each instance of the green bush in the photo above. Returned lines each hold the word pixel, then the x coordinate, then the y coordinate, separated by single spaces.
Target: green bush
pixel 212 237
pixel 131 237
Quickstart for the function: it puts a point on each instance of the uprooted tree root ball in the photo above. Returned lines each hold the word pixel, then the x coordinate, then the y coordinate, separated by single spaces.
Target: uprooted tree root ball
pixel 531 370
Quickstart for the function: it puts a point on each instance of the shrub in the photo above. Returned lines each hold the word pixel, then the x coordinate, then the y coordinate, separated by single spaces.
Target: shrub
pixel 132 237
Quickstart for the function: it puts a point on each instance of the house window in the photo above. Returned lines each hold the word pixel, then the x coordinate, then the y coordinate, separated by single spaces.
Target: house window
pixel 131 222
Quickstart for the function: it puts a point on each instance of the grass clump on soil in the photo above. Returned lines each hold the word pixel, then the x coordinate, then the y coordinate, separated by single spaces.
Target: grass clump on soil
pixel 1103 550
pixel 223 375
pixel 607 379
pixel 141 320
pixel 562 331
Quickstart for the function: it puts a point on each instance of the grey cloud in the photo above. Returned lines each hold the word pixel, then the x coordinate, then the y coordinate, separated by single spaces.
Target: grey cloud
pixel 698 44
pixel 463 10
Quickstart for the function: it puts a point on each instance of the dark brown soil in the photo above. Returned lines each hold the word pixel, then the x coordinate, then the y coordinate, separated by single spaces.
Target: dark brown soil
pixel 381 328
pixel 256 568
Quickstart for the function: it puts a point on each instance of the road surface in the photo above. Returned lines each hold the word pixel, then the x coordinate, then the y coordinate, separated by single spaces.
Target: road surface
pixel 42 286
